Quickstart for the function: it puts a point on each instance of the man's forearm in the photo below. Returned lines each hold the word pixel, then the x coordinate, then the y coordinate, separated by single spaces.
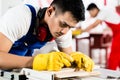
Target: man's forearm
pixel 67 50
pixel 10 61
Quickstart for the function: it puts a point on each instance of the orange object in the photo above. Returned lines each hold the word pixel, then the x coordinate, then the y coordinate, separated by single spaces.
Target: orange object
pixel 118 9
pixel 114 59
pixel 105 2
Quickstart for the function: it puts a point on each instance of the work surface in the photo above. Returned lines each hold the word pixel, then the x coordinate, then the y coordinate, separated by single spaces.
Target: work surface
pixel 67 74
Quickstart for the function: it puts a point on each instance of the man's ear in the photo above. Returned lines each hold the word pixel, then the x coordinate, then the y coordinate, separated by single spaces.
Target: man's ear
pixel 50 10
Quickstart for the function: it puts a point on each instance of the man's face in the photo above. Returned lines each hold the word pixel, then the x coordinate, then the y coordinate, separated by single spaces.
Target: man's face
pixel 93 12
pixel 60 24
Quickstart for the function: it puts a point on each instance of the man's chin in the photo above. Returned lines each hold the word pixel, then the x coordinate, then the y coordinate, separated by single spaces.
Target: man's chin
pixel 54 36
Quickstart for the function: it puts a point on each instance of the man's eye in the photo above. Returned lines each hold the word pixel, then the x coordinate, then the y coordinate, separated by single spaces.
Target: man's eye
pixel 63 25
pixel 72 27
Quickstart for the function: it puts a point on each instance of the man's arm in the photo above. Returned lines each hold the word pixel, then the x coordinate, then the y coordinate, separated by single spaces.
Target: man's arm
pixel 5 43
pixel 65 42
pixel 10 61
pixel 67 50
pixel 92 25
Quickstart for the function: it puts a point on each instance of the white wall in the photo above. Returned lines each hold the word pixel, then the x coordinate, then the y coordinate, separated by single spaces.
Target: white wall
pixel 6 4
pixel 0 8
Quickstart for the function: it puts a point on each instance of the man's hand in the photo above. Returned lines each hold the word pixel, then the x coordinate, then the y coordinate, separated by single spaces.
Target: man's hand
pixel 82 61
pixel 53 61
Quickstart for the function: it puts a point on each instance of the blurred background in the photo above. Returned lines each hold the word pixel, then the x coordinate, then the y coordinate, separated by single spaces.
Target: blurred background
pixel 6 4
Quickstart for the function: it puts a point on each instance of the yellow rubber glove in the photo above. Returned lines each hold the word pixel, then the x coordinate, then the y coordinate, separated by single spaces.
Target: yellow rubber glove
pixel 82 61
pixel 53 61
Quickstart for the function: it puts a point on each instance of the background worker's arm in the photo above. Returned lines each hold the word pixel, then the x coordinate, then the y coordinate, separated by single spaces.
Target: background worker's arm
pixel 10 61
pixel 92 25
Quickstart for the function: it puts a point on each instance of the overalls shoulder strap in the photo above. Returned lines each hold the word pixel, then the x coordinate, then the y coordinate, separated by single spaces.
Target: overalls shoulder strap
pixel 32 9
pixel 25 46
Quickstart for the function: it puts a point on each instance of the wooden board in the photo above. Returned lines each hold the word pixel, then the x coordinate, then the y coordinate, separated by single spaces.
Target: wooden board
pixel 69 72
pixel 64 73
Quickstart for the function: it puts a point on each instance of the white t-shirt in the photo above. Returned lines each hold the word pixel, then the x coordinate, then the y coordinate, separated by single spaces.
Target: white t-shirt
pixel 109 15
pixel 16 22
pixel 39 3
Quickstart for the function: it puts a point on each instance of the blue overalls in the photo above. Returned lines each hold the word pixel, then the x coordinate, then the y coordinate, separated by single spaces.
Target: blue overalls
pixel 25 46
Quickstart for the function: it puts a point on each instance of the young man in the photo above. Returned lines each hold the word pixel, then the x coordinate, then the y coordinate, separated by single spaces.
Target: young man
pixel 21 31
pixel 112 19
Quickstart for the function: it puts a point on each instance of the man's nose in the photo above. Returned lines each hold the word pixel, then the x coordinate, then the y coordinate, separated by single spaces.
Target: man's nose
pixel 64 30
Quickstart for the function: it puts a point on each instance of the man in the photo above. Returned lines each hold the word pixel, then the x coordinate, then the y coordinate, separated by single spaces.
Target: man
pixel 112 19
pixel 21 33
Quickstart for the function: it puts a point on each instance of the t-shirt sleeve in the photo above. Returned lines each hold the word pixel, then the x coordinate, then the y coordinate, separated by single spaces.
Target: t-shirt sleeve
pixel 15 22
pixel 101 15
pixel 65 40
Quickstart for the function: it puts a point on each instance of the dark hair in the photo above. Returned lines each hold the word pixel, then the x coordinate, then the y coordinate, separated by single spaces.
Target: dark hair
pixel 92 6
pixel 75 7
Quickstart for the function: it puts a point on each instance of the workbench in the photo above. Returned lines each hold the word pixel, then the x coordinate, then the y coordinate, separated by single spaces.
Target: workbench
pixel 29 74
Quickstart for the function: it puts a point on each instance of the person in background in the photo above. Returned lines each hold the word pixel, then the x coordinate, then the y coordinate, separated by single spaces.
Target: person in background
pixel 112 19
pixel 27 27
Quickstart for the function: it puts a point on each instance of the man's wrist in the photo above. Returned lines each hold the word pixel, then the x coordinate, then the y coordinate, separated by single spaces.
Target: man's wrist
pixel 29 63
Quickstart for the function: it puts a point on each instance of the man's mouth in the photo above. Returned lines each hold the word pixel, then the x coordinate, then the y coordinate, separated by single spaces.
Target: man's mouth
pixel 58 34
